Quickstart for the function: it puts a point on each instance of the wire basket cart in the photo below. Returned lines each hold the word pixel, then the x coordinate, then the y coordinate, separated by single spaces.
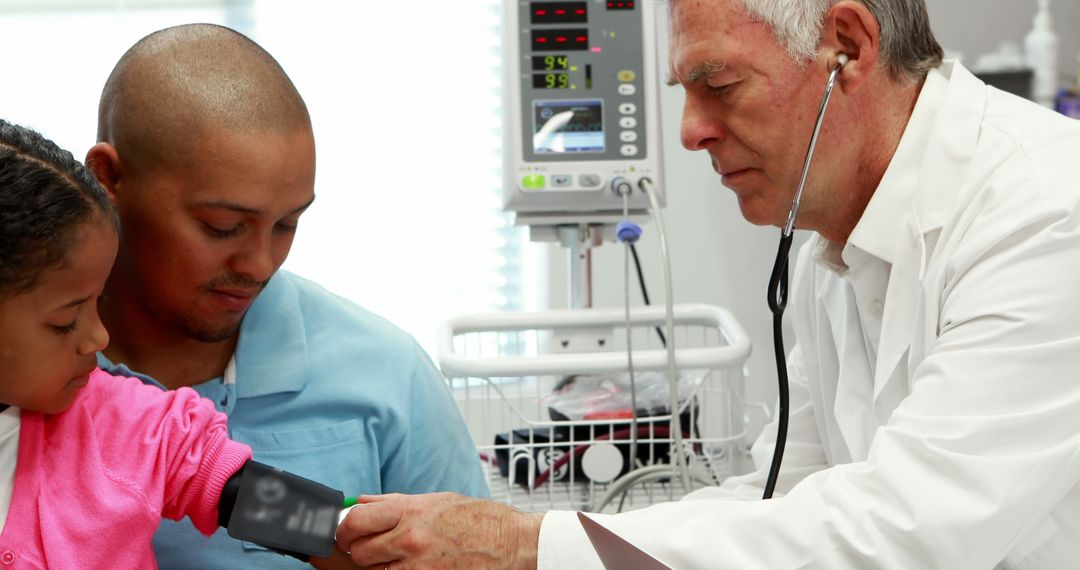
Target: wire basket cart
pixel 506 369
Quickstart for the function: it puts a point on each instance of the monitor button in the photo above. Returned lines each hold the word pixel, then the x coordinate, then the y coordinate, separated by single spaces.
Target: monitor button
pixel 589 180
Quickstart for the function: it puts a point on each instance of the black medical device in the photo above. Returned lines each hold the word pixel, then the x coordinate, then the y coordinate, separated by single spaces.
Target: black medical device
pixel 284 512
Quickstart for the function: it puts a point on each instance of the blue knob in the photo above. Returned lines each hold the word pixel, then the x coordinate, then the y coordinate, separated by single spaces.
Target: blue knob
pixel 621 186
pixel 628 232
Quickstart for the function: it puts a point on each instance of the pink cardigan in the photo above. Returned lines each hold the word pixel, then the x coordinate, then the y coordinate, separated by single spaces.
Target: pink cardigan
pixel 92 482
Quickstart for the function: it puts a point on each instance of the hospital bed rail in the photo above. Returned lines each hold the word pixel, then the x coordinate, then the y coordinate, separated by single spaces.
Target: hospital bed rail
pixel 503 368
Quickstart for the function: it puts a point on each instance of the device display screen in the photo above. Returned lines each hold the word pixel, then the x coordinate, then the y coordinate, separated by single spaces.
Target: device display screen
pixel 550 63
pixel 551 81
pixel 568 126
pixel 575 39
pixel 558 12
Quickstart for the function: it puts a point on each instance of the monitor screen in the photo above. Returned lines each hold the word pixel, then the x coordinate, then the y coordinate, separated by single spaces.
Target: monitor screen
pixel 568 126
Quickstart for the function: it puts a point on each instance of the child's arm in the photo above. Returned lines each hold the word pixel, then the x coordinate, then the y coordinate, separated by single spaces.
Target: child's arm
pixel 191 468
pixel 173 446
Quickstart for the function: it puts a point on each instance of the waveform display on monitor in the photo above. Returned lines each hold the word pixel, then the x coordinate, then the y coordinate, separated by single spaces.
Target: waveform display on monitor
pixel 582 127
pixel 568 126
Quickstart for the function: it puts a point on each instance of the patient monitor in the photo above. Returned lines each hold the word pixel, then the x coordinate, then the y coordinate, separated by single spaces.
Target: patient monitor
pixel 582 117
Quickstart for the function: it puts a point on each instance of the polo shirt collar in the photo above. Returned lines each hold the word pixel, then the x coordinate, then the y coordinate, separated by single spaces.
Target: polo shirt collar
pixel 271 354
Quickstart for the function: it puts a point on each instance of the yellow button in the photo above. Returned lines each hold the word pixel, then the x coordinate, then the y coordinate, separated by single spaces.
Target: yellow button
pixel 627 75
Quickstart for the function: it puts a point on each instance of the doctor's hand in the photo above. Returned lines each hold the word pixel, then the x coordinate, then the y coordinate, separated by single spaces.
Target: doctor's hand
pixel 338 560
pixel 440 530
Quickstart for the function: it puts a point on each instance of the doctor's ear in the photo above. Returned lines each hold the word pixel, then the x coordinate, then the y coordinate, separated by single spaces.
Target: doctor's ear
pixel 851 29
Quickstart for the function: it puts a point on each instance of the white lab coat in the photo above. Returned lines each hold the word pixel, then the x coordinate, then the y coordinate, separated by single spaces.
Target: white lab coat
pixel 960 446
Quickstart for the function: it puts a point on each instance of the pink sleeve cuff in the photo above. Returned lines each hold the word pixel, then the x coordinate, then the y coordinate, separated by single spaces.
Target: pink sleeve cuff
pixel 218 465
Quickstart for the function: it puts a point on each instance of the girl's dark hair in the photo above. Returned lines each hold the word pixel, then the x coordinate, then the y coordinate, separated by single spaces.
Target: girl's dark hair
pixel 44 195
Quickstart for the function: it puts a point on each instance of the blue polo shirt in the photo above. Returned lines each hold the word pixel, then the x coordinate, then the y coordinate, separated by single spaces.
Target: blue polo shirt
pixel 332 392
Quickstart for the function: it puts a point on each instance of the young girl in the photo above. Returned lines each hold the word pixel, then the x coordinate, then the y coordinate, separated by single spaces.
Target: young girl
pixel 89 463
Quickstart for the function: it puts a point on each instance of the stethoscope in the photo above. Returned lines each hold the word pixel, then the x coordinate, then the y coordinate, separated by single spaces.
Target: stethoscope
pixel 778 283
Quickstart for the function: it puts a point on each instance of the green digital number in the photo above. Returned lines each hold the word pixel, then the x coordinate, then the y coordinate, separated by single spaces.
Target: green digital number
pixel 556 80
pixel 552 62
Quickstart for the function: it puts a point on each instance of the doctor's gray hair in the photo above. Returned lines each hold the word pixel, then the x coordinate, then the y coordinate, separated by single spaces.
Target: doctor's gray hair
pixel 908 47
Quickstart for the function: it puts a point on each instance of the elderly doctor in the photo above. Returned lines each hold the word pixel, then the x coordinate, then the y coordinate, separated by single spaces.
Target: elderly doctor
pixel 935 378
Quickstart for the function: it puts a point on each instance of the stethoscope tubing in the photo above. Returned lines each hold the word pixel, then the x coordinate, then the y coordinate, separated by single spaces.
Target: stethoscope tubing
pixel 778 291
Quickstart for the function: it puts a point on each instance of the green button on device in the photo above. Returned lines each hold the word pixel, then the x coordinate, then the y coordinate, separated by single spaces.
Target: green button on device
pixel 533 182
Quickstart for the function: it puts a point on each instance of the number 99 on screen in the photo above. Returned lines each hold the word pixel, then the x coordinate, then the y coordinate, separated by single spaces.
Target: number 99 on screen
pixel 551 81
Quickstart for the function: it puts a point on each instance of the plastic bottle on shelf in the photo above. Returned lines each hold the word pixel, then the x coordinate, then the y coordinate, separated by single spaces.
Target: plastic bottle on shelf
pixel 1041 53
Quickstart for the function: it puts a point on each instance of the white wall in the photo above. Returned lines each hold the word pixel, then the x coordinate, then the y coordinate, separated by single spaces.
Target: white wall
pixel 719 258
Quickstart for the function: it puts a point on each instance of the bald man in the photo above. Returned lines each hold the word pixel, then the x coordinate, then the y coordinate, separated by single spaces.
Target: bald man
pixel 206 148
